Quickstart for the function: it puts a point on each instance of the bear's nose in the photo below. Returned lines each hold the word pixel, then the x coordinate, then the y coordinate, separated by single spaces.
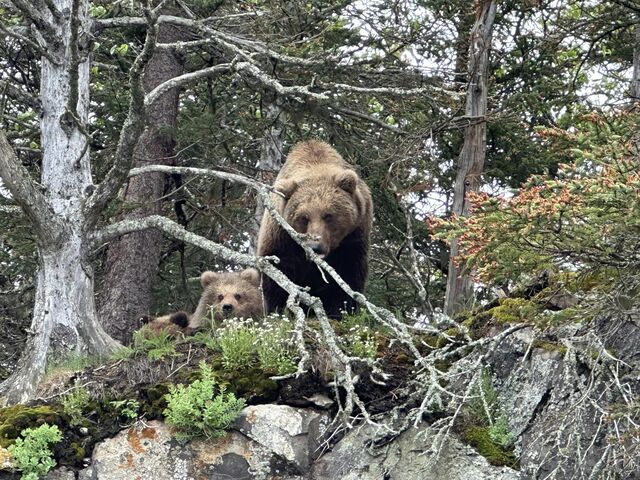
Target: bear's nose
pixel 227 307
pixel 317 248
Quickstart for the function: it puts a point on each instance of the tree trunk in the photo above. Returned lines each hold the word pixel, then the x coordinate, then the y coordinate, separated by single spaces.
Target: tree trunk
pixel 132 260
pixel 271 155
pixel 471 161
pixel 64 312
pixel 635 80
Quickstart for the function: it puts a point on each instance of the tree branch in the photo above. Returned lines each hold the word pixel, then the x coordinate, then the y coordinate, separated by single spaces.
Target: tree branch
pixel 34 14
pixel 10 90
pixel 48 227
pixel 131 130
pixel 178 81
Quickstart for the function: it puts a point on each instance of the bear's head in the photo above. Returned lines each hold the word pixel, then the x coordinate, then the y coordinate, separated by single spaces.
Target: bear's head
pixel 323 207
pixel 233 294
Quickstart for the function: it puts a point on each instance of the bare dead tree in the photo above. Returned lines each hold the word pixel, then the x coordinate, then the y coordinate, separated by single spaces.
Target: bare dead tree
pixel 634 90
pixel 471 160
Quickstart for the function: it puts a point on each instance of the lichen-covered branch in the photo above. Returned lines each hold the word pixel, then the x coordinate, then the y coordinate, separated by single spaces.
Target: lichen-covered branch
pixel 185 79
pixel 131 130
pixel 25 193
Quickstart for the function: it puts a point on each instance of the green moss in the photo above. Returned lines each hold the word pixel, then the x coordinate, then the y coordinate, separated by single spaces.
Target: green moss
pixel 480 439
pixel 549 346
pixel 252 384
pixel 514 310
pixel 18 417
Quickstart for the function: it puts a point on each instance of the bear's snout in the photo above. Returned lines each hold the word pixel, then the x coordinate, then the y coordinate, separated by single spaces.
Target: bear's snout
pixel 318 248
pixel 227 308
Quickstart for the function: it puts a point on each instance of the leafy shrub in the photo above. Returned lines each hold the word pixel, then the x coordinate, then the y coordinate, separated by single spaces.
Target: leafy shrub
pixel 74 403
pixel 275 346
pixel 583 221
pixel 236 339
pixel 156 344
pixel 127 408
pixel 32 454
pixel 202 408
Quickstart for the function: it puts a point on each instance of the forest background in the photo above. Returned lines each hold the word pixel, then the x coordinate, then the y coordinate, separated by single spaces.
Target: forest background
pixel 428 99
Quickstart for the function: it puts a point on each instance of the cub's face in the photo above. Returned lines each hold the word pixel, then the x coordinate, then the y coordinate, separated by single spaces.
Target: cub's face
pixel 233 294
pixel 324 209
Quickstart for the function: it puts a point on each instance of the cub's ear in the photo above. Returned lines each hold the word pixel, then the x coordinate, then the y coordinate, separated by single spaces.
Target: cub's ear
pixel 144 319
pixel 207 278
pixel 180 319
pixel 347 181
pixel 251 275
pixel 286 187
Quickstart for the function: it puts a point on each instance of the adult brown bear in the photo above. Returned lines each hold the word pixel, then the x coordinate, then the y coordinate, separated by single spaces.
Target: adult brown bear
pixel 324 198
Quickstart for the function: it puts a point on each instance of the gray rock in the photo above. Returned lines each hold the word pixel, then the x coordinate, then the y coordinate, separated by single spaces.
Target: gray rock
pixel 271 441
pixel 290 433
pixel 408 457
pixel 61 473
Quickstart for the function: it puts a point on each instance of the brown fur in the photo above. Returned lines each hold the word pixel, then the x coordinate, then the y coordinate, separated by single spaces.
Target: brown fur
pixel 238 291
pixel 324 198
pixel 173 323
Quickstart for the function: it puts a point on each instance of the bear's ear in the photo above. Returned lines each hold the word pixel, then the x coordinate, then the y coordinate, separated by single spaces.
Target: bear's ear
pixel 180 319
pixel 207 278
pixel 251 275
pixel 347 181
pixel 286 187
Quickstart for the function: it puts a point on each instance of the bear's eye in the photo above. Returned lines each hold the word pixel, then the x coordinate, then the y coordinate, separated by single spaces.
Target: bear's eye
pixel 327 217
pixel 220 297
pixel 304 220
pixel 238 296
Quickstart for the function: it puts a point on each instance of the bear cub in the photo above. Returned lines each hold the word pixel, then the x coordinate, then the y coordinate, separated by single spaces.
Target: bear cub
pixel 173 323
pixel 229 294
pixel 323 197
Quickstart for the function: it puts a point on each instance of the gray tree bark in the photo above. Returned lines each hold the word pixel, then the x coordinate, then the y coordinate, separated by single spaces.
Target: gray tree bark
pixel 635 80
pixel 271 154
pixel 64 317
pixel 132 260
pixel 471 161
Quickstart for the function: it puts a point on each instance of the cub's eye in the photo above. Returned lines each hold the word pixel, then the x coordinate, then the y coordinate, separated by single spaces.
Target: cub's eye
pixel 327 217
pixel 238 296
pixel 304 220
pixel 220 298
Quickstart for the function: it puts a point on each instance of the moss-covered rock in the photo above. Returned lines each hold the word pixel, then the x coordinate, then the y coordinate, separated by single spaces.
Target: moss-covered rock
pixel 18 417
pixel 479 438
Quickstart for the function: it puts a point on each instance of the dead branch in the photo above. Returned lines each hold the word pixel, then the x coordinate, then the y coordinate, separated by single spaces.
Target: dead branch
pixel 26 194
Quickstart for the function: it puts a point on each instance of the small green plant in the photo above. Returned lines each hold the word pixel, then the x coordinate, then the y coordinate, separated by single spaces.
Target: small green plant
pixel 237 339
pixel 32 452
pixel 127 408
pixel 499 432
pixel 207 339
pixel 124 353
pixel 156 344
pixel 202 408
pixel 275 346
pixel 487 428
pixel 361 342
pixel 75 403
